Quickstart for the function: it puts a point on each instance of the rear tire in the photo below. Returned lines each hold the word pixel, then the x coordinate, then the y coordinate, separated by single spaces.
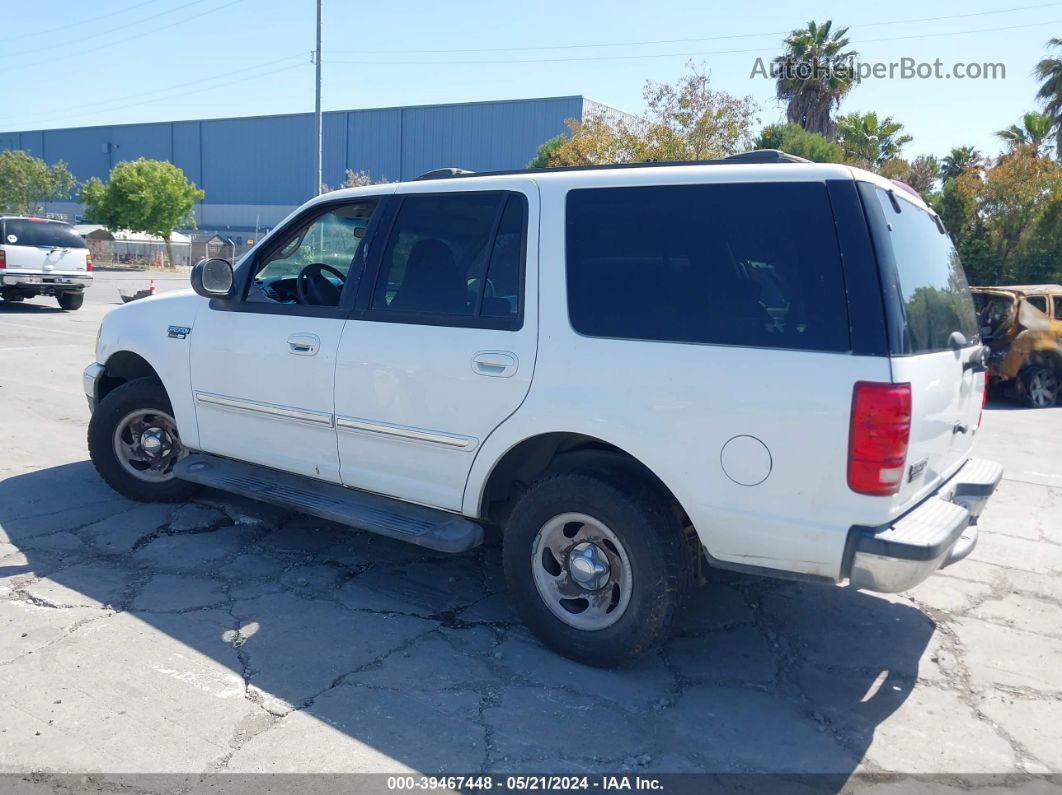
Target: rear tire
pixel 139 404
pixel 1040 385
pixel 631 531
pixel 71 301
pixel 14 299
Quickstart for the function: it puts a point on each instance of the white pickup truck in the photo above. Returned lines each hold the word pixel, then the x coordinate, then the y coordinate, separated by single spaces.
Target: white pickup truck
pixel 759 364
pixel 39 256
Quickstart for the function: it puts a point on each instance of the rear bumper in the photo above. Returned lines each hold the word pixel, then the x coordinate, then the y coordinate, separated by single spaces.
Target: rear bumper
pixel 46 283
pixel 941 531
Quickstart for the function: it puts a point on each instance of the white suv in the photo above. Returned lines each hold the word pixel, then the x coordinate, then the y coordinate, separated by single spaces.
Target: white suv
pixel 634 372
pixel 39 256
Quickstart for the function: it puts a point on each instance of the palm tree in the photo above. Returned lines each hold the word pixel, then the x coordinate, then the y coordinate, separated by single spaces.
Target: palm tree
pixel 866 139
pixel 959 160
pixel 814 74
pixel 1034 130
pixel 1049 71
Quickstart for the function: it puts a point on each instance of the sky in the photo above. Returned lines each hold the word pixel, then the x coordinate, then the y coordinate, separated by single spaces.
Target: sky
pixel 68 63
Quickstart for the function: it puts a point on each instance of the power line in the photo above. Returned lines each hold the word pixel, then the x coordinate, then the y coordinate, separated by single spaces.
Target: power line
pixel 642 56
pixel 117 103
pixel 78 52
pixel 69 25
pixel 680 41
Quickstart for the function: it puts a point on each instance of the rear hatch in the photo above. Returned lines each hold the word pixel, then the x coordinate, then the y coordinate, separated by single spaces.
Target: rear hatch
pixel 36 245
pixel 934 338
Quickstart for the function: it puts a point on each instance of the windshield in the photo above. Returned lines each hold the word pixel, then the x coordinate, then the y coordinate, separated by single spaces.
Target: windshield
pixel 935 297
pixel 29 232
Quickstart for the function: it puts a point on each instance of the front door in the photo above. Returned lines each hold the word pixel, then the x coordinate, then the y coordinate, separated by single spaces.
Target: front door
pixel 263 364
pixel 441 347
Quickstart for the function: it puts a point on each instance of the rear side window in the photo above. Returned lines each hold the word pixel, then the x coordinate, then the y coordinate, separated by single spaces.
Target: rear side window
pixel 454 259
pixel 24 232
pixel 1038 301
pixel 1058 307
pixel 753 264
pixel 931 290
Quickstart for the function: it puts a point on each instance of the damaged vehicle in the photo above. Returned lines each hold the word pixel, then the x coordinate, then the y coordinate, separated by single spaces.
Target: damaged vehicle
pixel 1022 326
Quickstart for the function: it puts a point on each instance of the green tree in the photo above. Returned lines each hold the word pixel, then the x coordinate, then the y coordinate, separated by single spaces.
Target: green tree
pixel 795 140
pixel 685 120
pixel 868 140
pixel 814 74
pixel 545 151
pixel 1035 130
pixel 149 196
pixel 1049 72
pixel 960 160
pixel 26 181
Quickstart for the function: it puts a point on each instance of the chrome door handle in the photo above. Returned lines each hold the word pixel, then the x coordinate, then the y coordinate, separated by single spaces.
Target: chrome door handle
pixel 304 344
pixel 500 364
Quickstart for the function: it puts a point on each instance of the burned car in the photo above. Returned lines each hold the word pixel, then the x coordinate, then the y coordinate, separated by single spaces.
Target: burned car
pixel 1022 326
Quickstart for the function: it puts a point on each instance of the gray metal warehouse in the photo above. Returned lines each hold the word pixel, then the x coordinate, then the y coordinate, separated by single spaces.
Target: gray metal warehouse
pixel 255 170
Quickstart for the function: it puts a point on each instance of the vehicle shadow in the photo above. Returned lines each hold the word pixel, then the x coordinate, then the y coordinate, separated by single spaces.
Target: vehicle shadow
pixel 223 635
pixel 28 307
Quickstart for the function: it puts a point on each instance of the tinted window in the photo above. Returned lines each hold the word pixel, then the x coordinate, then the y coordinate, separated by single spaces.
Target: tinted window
pixel 1058 307
pixel 454 255
pixel 23 232
pixel 501 294
pixel 1038 301
pixel 748 264
pixel 933 293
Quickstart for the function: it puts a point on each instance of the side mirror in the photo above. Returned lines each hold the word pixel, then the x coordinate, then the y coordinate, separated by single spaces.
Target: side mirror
pixel 212 278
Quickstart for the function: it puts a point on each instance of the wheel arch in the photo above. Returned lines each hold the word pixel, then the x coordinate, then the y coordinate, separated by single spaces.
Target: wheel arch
pixel 532 457
pixel 124 366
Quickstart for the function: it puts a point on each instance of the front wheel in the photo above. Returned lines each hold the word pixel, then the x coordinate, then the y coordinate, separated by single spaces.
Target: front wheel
pixel 597 565
pixel 134 443
pixel 1040 386
pixel 71 301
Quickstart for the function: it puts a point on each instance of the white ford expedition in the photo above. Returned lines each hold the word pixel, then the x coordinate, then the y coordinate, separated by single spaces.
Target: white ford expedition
pixel 39 256
pixel 758 364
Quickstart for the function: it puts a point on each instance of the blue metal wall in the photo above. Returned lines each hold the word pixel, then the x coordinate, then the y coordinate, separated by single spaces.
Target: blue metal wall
pixel 268 160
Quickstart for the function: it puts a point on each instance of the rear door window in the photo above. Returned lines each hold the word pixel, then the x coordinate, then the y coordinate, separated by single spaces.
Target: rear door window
pixel 45 234
pixel 1058 307
pixel 454 259
pixel 1038 302
pixel 934 298
pixel 732 264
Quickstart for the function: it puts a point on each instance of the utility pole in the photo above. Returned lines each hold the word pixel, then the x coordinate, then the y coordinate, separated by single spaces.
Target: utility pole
pixel 317 127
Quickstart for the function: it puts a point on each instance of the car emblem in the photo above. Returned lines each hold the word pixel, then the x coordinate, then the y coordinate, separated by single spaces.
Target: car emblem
pixel 178 332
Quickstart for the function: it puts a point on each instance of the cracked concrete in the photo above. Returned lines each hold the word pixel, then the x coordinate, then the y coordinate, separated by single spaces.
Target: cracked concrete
pixel 223 635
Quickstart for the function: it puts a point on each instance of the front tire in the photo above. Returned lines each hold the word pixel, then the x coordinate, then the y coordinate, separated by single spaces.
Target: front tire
pixel 70 301
pixel 1040 386
pixel 597 565
pixel 133 443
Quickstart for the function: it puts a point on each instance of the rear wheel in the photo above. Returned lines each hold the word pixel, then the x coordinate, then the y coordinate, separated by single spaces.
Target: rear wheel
pixel 1040 386
pixel 71 301
pixel 14 297
pixel 134 443
pixel 597 565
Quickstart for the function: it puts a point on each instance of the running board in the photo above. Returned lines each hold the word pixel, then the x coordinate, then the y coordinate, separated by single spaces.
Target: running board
pixel 425 527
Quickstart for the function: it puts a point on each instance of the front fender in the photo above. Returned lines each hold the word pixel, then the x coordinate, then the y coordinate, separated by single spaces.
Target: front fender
pixel 143 327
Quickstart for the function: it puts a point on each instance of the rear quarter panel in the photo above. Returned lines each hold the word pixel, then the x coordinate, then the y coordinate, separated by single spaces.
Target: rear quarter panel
pixel 675 406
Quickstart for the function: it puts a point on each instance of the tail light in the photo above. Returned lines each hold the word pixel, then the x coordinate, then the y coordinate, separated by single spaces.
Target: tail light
pixel 88 262
pixel 878 436
pixel 3 258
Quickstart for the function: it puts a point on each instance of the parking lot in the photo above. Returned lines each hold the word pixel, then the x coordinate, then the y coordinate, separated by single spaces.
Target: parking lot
pixel 222 635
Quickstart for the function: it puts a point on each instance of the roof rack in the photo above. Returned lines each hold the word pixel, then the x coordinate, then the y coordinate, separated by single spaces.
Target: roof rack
pixel 755 156
pixel 444 173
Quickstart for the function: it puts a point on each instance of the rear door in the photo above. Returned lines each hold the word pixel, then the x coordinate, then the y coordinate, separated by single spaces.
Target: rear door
pixel 36 245
pixel 934 337
pixel 441 347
